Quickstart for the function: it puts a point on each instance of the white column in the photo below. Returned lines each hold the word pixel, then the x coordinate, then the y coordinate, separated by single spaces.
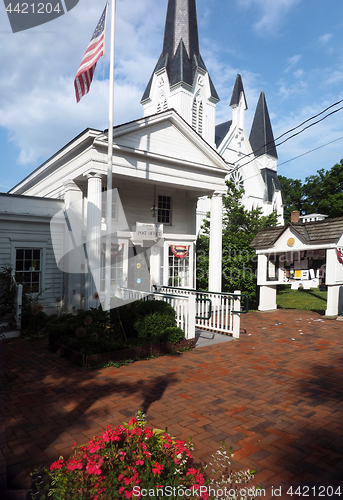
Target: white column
pixel 267 298
pixel 216 237
pixel 155 265
pixel 93 240
pixel 73 278
pixel 332 300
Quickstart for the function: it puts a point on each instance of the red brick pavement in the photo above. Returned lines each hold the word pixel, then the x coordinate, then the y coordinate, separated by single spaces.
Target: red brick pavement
pixel 275 396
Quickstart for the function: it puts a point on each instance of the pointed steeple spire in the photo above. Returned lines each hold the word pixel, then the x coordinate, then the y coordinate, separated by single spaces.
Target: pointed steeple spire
pixel 261 135
pixel 237 91
pixel 180 55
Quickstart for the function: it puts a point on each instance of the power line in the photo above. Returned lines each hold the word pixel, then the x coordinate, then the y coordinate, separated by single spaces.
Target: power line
pixel 311 151
pixel 294 135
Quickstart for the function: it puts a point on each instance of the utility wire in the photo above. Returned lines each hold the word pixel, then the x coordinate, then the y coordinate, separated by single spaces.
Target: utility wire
pixel 294 135
pixel 311 151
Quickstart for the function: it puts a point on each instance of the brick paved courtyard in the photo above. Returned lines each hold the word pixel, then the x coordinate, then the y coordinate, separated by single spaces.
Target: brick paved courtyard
pixel 275 396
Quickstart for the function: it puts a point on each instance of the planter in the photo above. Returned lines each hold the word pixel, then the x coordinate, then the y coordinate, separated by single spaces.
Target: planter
pixel 138 352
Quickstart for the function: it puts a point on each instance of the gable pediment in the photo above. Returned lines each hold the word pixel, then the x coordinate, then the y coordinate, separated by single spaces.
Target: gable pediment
pixel 168 135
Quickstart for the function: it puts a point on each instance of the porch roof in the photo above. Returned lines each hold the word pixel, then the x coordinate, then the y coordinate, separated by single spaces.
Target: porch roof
pixel 317 232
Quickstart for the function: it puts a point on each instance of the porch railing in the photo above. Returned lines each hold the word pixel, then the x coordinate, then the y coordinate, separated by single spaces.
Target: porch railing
pixel 214 311
pixel 183 305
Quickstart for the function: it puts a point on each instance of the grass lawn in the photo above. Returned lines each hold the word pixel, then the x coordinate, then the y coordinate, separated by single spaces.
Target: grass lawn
pixel 307 300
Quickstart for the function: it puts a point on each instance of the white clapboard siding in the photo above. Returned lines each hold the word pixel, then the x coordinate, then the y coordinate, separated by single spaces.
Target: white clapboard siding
pixel 138 198
pixel 165 140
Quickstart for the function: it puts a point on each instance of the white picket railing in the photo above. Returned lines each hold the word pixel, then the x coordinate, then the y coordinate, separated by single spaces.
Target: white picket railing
pixel 217 312
pixel 184 306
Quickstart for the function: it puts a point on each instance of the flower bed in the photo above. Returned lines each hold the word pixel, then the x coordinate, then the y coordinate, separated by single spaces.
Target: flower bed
pixel 134 461
pixel 138 352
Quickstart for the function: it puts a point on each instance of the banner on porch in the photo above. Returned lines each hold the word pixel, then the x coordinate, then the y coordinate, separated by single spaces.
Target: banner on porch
pixel 116 248
pixel 180 251
pixel 340 254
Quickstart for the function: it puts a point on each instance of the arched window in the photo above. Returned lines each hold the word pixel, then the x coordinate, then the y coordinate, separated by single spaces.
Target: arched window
pixel 162 103
pixel 197 114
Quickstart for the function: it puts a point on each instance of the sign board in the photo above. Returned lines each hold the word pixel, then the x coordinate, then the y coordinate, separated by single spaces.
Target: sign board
pixel 148 231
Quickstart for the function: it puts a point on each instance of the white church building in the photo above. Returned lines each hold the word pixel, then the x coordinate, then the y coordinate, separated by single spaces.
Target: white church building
pixel 162 165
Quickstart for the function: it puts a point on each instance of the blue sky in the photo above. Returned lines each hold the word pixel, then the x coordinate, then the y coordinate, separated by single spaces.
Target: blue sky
pixel 290 49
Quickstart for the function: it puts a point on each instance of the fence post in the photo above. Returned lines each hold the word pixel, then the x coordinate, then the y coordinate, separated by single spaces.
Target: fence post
pixel 19 301
pixel 191 316
pixel 236 317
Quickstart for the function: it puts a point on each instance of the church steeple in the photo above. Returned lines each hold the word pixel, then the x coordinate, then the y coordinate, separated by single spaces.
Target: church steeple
pixel 261 134
pixel 180 79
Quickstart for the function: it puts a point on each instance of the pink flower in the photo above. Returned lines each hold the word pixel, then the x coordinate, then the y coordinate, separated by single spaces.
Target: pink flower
pixel 139 462
pixel 157 469
pixel 57 465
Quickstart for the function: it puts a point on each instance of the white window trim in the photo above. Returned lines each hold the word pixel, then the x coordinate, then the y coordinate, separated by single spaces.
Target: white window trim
pixel 169 224
pixel 40 245
pixel 167 243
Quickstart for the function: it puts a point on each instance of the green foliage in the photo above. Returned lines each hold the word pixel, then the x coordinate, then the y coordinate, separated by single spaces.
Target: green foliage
pixel 324 192
pixel 7 291
pixel 292 190
pixel 240 226
pixel 131 460
pixel 174 334
pixel 320 193
pixel 96 331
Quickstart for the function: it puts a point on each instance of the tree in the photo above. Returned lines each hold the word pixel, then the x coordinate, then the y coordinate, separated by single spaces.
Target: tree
pixel 240 226
pixel 320 193
pixel 323 192
pixel 292 190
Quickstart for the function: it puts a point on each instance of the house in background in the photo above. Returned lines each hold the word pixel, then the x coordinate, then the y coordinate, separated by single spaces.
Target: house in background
pixel 161 165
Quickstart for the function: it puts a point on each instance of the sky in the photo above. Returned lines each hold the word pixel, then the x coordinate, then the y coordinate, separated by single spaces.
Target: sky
pixel 290 49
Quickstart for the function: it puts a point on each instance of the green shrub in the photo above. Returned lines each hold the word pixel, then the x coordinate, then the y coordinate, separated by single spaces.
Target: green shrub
pixel 153 325
pixel 174 334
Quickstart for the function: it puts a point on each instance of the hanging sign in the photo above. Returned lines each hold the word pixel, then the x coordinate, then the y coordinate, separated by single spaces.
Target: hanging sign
pixel 149 231
pixel 180 251
pixel 116 248
pixel 340 254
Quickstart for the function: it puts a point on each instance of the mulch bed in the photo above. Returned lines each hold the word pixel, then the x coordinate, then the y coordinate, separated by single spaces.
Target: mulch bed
pixel 138 352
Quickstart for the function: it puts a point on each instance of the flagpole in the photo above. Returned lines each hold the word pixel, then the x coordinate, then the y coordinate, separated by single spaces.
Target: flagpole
pixel 109 167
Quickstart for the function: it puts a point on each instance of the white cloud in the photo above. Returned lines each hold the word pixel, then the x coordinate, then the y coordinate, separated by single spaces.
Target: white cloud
pixel 270 12
pixel 293 61
pixel 325 38
pixel 38 109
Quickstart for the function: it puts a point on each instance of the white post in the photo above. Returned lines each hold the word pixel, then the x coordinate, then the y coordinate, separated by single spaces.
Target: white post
pixel 107 304
pixel 332 300
pixel 215 254
pixel 93 239
pixel 191 316
pixel 236 317
pixel 19 303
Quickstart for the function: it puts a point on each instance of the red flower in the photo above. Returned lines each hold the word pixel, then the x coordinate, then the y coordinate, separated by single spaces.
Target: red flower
pixel 57 465
pixel 157 469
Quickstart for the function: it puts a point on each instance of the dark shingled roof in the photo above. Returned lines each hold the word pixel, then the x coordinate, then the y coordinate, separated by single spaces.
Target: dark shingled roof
pixel 261 135
pixel 181 62
pixel 272 184
pixel 221 131
pixel 237 90
pixel 317 232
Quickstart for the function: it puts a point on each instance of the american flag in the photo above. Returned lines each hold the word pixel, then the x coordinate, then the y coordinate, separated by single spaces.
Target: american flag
pixel 94 51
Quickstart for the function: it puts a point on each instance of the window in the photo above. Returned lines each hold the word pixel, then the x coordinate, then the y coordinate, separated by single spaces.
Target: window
pixel 104 203
pixel 197 114
pixel 162 103
pixel 164 209
pixel 273 268
pixel 117 262
pixel 28 265
pixel 178 266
